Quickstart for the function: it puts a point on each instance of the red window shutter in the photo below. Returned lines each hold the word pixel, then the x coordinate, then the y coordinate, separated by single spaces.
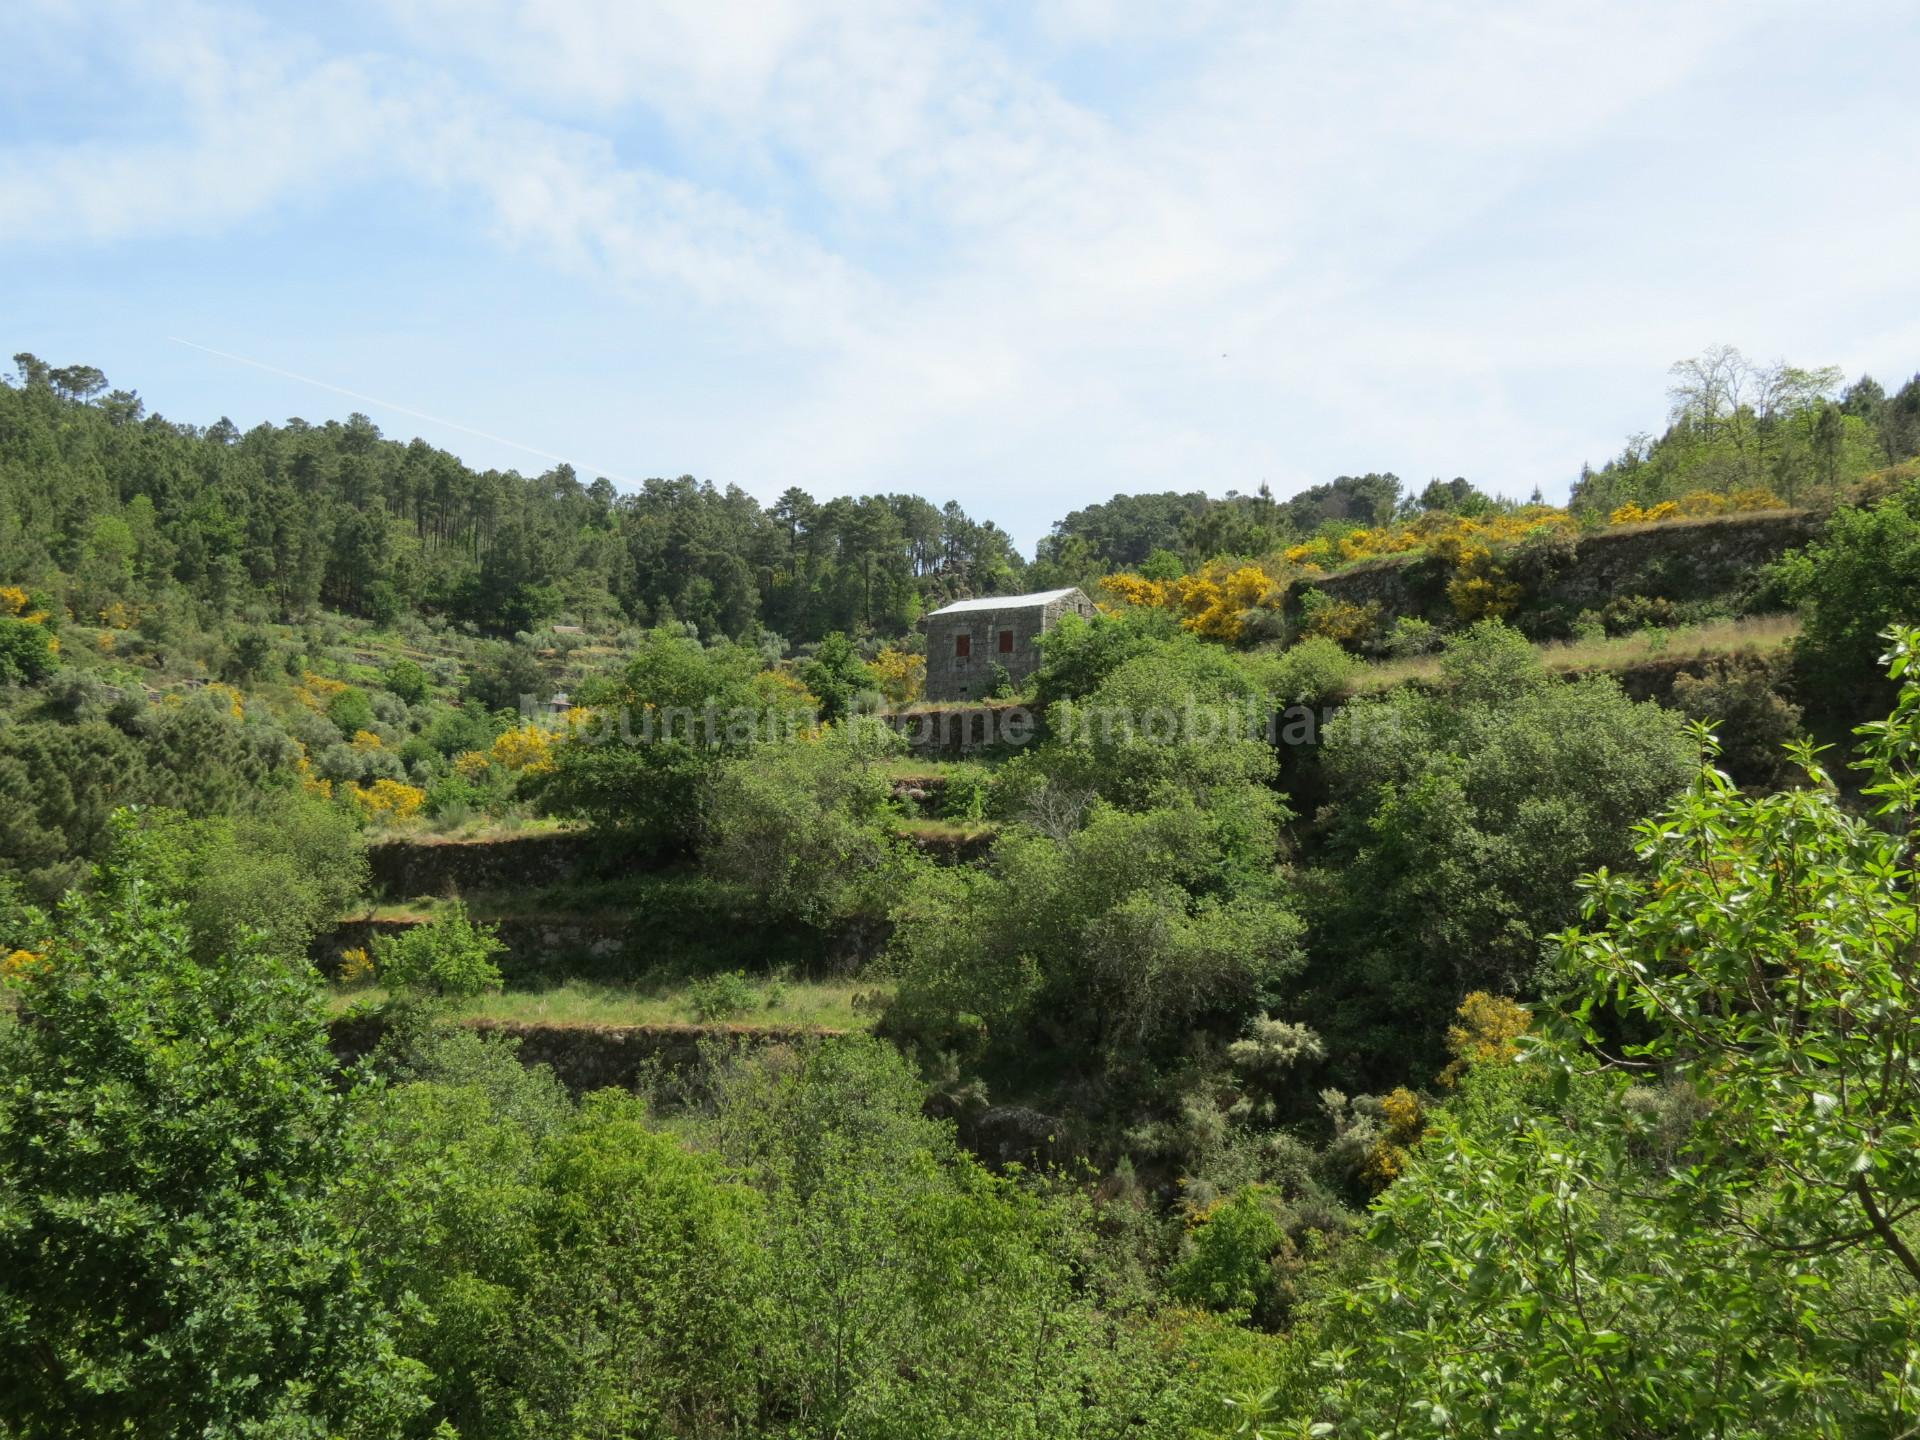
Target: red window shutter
pixel 1006 642
pixel 963 645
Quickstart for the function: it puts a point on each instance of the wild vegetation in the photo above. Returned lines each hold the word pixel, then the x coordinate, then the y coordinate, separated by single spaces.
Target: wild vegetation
pixel 1486 1018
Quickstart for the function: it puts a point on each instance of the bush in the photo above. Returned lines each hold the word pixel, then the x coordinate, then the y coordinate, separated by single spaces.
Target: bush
pixel 350 711
pixel 720 997
pixel 407 680
pixel 176 1256
pixel 1861 575
pixel 449 957
pixel 1737 696
pixel 1316 669
pixel 27 652
pixel 1228 1265
pixel 1412 636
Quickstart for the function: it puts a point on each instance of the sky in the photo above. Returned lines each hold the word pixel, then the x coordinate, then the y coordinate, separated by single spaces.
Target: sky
pixel 1022 255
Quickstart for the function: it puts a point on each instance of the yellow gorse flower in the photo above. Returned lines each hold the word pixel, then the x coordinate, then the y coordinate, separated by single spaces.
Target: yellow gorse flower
pixel 527 749
pixel 389 799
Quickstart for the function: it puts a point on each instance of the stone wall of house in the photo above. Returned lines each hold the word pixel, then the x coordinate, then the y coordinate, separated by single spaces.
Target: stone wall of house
pixel 951 676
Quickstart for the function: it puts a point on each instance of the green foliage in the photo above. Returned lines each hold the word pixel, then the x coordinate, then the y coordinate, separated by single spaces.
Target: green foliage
pixel 1770 954
pixel 720 997
pixel 1859 577
pixel 1605 1248
pixel 350 711
pixel 407 680
pixel 26 652
pixel 837 675
pixel 1460 819
pixel 1113 944
pixel 662 728
pixel 1314 670
pixel 581 1271
pixel 273 877
pixel 1229 1265
pixel 1740 699
pixel 907 1291
pixel 1078 654
pixel 802 824
pixel 1182 718
pixel 1411 636
pixel 173 1257
pixel 448 957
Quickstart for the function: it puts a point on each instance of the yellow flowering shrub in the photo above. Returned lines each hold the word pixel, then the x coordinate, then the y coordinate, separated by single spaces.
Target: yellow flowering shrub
pixel 472 764
pixel 16 964
pixel 524 749
pixel 1343 621
pixel 13 600
pixel 316 691
pixel 356 967
pixel 366 741
pixel 236 704
pixel 901 674
pixel 388 800
pixel 1405 1119
pixel 119 615
pixel 1487 1031
pixel 1211 602
pixel 1633 513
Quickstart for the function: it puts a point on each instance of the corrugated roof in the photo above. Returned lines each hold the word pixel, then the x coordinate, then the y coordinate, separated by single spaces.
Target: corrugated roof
pixel 1003 602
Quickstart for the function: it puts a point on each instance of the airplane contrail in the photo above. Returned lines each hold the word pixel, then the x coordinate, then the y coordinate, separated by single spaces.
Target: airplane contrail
pixel 400 409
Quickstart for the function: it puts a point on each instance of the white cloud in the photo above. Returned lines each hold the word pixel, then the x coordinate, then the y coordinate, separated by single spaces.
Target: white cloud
pixel 1320 237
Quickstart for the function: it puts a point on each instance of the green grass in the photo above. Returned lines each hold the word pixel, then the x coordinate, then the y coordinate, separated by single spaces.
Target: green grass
pixel 800 1005
pixel 955 830
pixel 1758 634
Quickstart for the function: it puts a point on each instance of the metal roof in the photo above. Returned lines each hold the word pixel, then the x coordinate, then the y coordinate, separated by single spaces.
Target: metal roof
pixel 1003 602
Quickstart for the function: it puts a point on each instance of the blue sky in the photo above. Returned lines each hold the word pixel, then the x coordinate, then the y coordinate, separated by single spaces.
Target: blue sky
pixel 1021 255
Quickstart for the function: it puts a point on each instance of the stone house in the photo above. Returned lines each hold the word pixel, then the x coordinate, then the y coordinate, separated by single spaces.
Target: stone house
pixel 966 639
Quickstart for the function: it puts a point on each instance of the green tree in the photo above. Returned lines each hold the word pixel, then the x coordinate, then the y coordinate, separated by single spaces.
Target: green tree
pixel 407 680
pixel 27 655
pixel 659 731
pixel 172 1147
pixel 1460 818
pixel 448 957
pixel 802 825
pixel 838 675
pixel 1860 576
pixel 1721 1245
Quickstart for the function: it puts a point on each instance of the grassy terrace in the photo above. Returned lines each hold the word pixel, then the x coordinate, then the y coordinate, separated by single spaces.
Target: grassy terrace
pixel 1756 635
pixel 792 1004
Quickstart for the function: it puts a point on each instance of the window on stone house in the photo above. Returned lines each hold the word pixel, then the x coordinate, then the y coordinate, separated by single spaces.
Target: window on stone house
pixel 1006 642
pixel 962 646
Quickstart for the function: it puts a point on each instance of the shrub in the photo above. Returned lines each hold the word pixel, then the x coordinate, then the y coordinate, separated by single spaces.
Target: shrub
pixel 1412 636
pixel 1317 668
pixel 1229 1263
pixel 1738 698
pixel 350 710
pixel 175 1252
pixel 720 997
pixel 449 956
pixel 28 653
pixel 406 680
pixel 1344 621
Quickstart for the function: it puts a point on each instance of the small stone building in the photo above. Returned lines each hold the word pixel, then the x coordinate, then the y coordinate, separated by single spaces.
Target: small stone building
pixel 966 639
